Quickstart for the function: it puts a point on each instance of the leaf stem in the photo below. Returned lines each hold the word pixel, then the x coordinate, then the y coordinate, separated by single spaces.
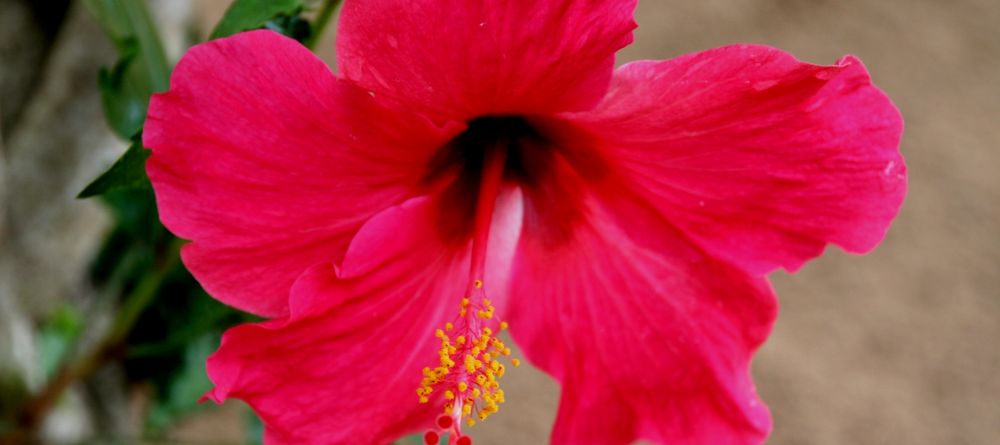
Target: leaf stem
pixel 34 412
pixel 322 20
pixel 149 41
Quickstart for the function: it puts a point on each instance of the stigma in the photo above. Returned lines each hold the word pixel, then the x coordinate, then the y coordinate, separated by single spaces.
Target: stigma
pixel 466 378
pixel 470 363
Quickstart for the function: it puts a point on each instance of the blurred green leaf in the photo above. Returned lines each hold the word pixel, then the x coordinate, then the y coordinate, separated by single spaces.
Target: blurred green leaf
pixel 127 173
pixel 169 344
pixel 244 15
pixel 180 395
pixel 255 429
pixel 13 393
pixel 212 317
pixel 123 101
pixel 57 336
pixel 291 26
pixel 142 68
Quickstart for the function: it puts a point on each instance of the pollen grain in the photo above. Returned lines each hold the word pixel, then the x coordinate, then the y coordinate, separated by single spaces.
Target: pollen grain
pixel 469 369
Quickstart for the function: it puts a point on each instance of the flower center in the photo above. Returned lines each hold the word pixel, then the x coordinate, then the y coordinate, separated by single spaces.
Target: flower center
pixel 459 168
pixel 466 155
pixel 469 370
pixel 467 376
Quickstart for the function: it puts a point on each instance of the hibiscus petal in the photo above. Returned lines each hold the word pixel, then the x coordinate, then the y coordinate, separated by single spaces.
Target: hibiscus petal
pixel 760 158
pixel 471 58
pixel 344 366
pixel 270 164
pixel 649 337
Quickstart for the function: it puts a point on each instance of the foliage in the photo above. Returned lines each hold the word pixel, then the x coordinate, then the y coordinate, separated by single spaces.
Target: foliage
pixel 142 68
pixel 128 172
pixel 244 15
pixel 166 325
pixel 57 337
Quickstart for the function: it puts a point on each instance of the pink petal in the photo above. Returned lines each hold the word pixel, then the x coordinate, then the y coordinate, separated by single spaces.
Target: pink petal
pixel 471 58
pixel 760 158
pixel 270 165
pixel 649 337
pixel 344 366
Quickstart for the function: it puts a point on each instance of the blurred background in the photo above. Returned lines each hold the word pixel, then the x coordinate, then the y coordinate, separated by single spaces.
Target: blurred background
pixel 900 346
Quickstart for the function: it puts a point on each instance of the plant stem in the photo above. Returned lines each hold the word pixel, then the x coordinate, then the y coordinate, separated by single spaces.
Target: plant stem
pixel 130 19
pixel 322 20
pixel 154 56
pixel 110 347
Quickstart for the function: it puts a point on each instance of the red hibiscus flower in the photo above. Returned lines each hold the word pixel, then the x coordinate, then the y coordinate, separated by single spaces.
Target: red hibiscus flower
pixel 478 161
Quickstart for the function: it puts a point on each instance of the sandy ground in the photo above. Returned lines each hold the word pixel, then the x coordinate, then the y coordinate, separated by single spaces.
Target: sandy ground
pixel 900 346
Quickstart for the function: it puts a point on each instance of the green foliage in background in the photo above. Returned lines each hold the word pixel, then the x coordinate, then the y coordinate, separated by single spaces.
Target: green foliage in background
pixel 57 337
pixel 127 173
pixel 244 15
pixel 166 325
pixel 142 68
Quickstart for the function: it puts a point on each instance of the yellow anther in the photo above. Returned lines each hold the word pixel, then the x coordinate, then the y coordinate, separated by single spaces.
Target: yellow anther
pixel 515 362
pixel 478 284
pixel 470 422
pixel 469 370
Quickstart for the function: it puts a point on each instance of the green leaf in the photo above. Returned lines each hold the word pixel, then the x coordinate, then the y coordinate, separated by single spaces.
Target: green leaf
pixel 56 338
pixel 14 393
pixel 127 173
pixel 179 397
pixel 124 99
pixel 245 15
pixel 291 26
pixel 255 429
pixel 168 345
pixel 142 68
